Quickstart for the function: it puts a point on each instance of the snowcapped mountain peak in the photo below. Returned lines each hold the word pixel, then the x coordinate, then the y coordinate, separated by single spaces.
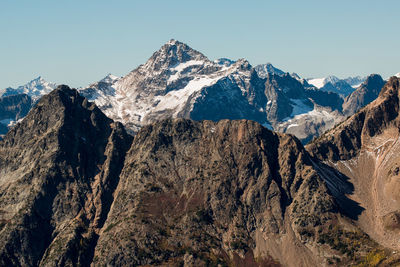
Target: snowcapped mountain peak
pixel 321 82
pixel 171 54
pixel 264 69
pixel 35 88
pixel 331 79
pixel 172 42
pixel 109 78
pixel 242 64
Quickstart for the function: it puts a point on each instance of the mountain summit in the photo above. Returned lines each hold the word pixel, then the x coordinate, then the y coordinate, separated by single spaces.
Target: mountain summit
pixel 180 82
pixel 34 89
pixel 171 54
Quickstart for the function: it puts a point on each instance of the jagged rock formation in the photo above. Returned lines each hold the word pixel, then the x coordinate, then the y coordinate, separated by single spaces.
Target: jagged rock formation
pixel 363 95
pixel 13 108
pixel 366 148
pixel 76 190
pixel 58 170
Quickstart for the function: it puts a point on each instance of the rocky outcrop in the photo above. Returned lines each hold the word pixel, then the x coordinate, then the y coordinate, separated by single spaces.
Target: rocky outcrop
pixel 58 170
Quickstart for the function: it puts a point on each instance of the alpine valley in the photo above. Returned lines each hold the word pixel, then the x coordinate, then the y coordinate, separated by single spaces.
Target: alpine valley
pixel 190 162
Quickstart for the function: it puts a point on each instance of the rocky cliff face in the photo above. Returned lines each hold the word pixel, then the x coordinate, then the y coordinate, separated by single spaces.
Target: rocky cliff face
pixel 365 148
pixel 203 192
pixel 58 170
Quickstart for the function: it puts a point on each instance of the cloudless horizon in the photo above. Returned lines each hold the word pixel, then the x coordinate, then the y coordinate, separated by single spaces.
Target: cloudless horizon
pixel 79 42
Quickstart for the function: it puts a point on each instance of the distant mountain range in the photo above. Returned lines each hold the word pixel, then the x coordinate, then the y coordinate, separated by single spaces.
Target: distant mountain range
pixel 180 82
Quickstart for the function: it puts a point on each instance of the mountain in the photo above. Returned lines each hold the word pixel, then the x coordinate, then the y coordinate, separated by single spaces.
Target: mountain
pixel 364 94
pixel 59 168
pixel 320 82
pixel 180 82
pixel 75 189
pixel 171 83
pixel 264 69
pixel 34 89
pixel 365 149
pixel 13 108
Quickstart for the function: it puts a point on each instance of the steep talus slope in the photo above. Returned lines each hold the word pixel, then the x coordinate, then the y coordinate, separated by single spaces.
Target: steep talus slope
pixel 366 148
pixel 58 169
pixel 230 193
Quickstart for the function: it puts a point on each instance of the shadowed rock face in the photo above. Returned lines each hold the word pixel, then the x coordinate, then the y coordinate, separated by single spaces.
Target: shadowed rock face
pixel 200 190
pixel 58 169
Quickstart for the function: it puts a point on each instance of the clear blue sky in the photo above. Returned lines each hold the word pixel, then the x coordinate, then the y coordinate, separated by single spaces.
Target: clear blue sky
pixel 79 42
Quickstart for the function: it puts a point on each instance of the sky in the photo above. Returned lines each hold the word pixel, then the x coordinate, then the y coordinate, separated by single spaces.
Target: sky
pixel 79 42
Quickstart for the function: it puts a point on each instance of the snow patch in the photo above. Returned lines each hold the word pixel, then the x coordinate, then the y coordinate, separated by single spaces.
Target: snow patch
pixel 177 98
pixel 292 125
pixel 319 83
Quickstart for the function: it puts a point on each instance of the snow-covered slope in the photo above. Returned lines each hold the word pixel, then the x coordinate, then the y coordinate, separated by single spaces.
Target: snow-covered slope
pixel 35 89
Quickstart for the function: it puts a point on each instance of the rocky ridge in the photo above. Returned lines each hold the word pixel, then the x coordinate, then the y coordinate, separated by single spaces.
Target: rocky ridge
pixel 365 148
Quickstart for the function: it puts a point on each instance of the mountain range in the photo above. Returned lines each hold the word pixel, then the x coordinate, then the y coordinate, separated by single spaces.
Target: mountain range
pixel 180 82
pixel 188 162
pixel 77 189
